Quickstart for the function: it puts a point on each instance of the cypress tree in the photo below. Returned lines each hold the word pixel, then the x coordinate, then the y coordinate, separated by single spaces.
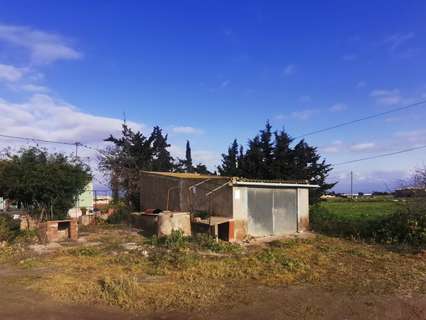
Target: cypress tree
pixel 188 158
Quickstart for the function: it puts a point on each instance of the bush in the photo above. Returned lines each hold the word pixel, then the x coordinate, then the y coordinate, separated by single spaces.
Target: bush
pixel 176 240
pixel 121 215
pixel 9 228
pixel 407 225
pixel 205 241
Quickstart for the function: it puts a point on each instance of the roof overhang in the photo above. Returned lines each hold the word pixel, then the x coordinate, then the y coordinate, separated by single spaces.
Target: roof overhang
pixel 273 184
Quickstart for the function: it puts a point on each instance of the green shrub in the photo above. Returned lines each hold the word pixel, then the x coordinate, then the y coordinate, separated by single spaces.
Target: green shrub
pixel 121 215
pixel 9 228
pixel 84 252
pixel 407 225
pixel 176 240
pixel 205 241
pixel 27 237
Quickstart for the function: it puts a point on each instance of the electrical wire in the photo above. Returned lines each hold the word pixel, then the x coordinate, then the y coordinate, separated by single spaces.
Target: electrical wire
pixel 376 115
pixel 380 155
pixel 40 140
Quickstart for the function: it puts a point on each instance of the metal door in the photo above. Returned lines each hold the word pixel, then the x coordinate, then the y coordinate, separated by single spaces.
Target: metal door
pixel 259 207
pixel 284 211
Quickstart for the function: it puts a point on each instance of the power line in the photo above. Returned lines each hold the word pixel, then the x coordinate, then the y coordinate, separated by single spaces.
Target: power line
pixel 77 144
pixel 376 115
pixel 40 140
pixel 380 155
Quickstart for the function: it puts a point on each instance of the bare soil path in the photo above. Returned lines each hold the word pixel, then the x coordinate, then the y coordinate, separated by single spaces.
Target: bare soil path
pixel 17 303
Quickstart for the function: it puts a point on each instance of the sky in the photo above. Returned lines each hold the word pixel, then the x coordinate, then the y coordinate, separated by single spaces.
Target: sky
pixel 212 71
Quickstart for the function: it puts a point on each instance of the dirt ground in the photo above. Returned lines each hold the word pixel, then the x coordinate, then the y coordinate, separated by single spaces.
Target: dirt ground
pixel 312 278
pixel 17 303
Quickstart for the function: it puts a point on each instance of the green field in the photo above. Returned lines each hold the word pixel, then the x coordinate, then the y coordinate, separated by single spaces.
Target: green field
pixel 360 209
pixel 358 218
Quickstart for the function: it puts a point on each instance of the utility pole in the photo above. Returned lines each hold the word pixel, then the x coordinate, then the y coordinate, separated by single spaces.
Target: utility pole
pixel 77 204
pixel 352 185
pixel 76 149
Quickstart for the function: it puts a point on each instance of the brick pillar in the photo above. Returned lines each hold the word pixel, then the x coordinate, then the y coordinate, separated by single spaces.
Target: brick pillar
pixel 74 229
pixel 231 231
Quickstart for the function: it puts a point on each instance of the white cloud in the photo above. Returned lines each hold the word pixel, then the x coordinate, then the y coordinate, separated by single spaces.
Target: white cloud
pixel 386 97
pixel 186 130
pixel 210 158
pixel 44 47
pixel 10 73
pixel 369 181
pixel 289 70
pixel 413 136
pixel 43 117
pixel 363 146
pixel 335 147
pixel 34 88
pixel 304 114
pixel 330 149
pixel 281 117
pixel 398 39
pixel 338 107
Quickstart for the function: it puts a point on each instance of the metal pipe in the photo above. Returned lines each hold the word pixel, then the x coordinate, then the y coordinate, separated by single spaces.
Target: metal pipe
pixel 218 188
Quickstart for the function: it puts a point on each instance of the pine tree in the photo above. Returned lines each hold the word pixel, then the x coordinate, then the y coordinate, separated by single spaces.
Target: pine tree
pixel 253 159
pixel 162 160
pixel 282 165
pixel 271 157
pixel 267 146
pixel 230 165
pixel 309 166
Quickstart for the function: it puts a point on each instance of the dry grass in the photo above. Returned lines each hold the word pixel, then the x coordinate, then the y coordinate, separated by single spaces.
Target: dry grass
pixel 186 278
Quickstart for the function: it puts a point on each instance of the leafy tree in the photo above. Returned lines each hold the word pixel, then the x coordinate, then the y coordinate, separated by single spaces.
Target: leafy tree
pixel 419 178
pixel 201 169
pixel 43 182
pixel 131 153
pixel 230 162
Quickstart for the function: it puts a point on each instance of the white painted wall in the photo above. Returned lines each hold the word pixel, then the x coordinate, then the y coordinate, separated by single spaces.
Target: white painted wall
pixel 302 207
pixel 239 196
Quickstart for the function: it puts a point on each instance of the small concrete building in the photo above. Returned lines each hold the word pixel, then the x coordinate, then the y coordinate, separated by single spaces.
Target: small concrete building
pixel 84 200
pixel 255 207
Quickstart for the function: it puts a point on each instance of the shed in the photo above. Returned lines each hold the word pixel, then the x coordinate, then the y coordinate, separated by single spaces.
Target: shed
pixel 257 207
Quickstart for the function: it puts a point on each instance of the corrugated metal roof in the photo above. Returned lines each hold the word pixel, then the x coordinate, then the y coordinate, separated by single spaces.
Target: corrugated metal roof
pixel 185 175
pixel 234 180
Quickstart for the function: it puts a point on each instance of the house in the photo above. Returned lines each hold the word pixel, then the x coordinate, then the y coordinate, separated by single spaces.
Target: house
pixel 84 201
pixel 253 207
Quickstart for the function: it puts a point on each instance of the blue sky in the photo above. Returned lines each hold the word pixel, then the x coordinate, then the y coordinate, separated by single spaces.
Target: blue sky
pixel 212 71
